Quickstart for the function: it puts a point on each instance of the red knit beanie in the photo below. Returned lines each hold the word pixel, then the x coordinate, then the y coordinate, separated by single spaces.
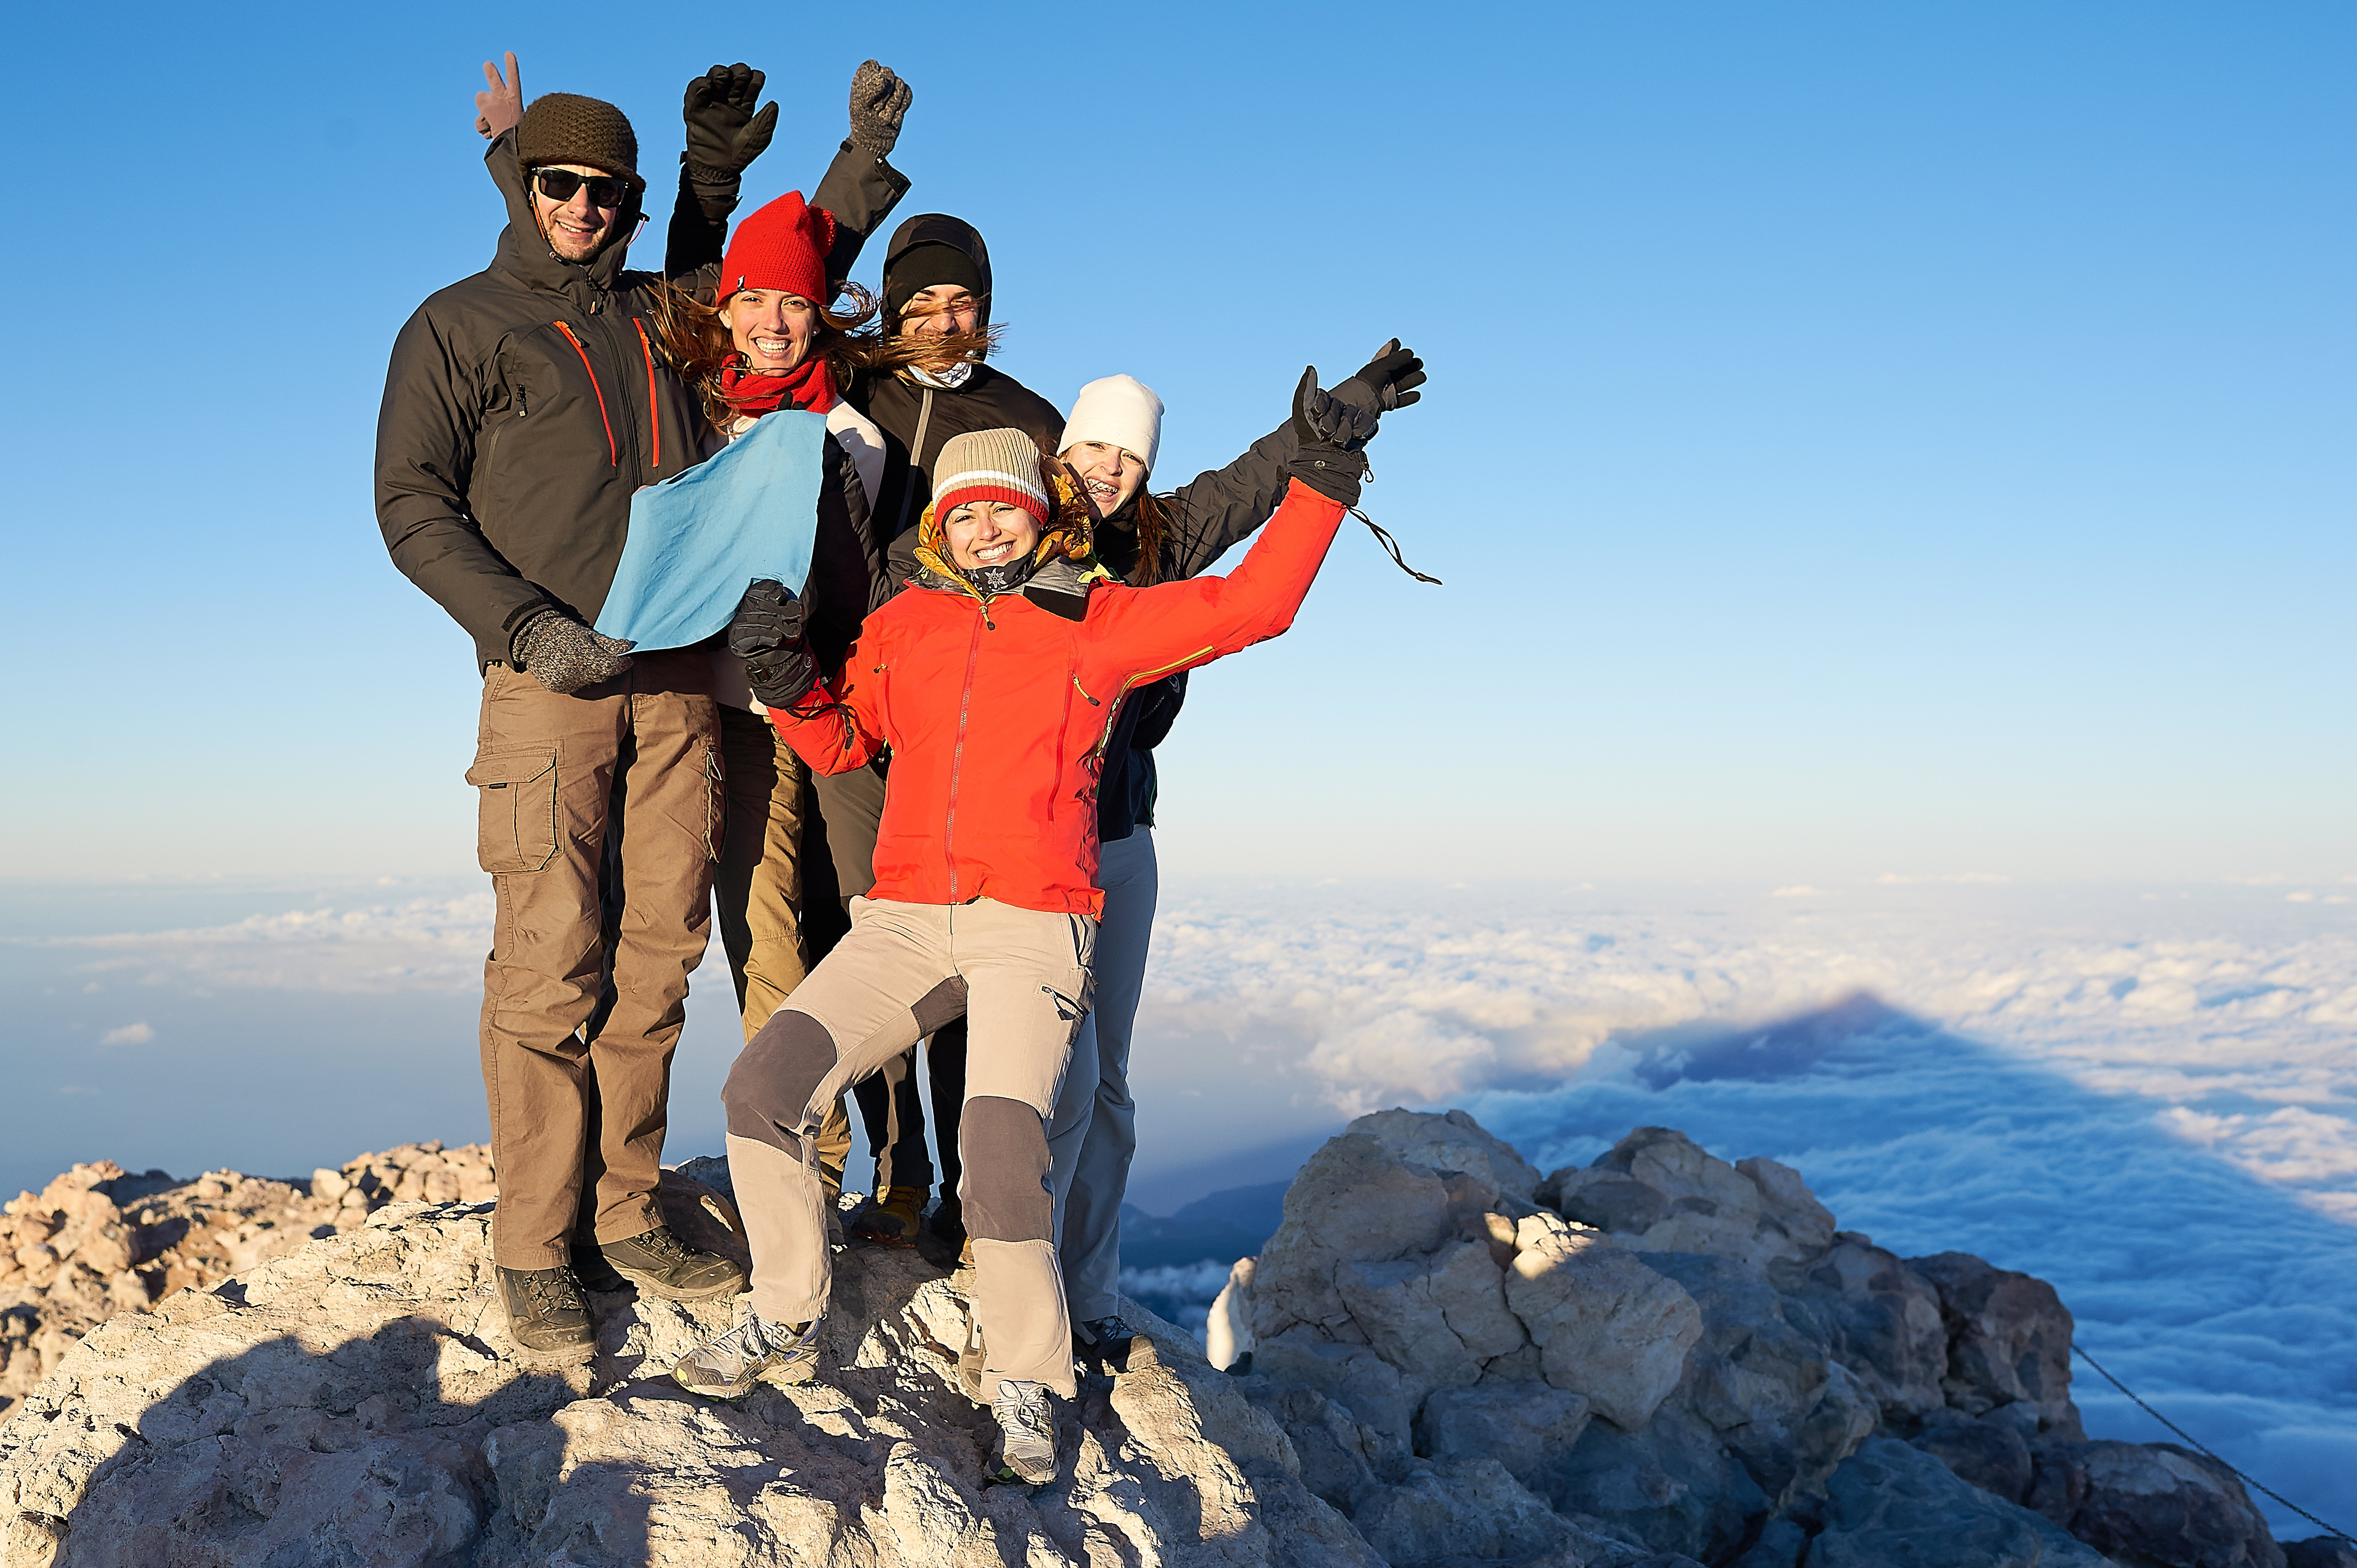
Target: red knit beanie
pixel 783 245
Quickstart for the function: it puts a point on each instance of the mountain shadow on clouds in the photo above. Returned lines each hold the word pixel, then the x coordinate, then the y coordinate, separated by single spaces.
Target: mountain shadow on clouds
pixel 1786 1048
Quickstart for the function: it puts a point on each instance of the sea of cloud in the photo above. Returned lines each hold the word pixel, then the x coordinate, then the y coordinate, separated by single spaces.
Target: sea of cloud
pixel 2146 1096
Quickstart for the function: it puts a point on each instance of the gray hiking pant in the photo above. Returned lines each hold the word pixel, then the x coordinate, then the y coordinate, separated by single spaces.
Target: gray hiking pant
pixel 1022 977
pixel 1094 1132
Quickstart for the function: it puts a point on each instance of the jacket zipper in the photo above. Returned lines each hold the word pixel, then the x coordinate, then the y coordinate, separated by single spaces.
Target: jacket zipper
pixel 613 452
pixel 654 412
pixel 1096 753
pixel 957 759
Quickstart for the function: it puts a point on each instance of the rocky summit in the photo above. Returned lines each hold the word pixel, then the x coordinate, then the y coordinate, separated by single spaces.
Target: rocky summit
pixel 1442 1357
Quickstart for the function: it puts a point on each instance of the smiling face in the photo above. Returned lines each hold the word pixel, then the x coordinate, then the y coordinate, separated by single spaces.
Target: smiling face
pixel 1109 475
pixel 938 311
pixel 576 228
pixel 989 534
pixel 771 329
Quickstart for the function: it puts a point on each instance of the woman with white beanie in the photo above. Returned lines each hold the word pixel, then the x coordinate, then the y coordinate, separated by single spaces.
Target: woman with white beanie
pixel 1111 444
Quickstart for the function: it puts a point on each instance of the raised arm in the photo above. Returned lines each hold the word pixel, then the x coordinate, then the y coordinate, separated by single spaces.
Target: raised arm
pixel 861 188
pixel 1221 505
pixel 725 132
pixel 1151 632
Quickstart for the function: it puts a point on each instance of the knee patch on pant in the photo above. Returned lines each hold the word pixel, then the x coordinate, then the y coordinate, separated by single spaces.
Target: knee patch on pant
pixel 769 1090
pixel 1006 1193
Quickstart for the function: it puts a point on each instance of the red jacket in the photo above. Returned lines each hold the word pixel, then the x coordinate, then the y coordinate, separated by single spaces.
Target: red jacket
pixel 998 713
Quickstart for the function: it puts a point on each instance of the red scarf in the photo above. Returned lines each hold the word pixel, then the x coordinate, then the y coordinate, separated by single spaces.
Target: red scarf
pixel 808 385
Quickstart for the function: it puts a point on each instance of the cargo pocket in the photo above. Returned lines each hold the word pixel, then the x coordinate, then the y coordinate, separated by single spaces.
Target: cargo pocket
pixel 715 805
pixel 517 828
pixel 1073 995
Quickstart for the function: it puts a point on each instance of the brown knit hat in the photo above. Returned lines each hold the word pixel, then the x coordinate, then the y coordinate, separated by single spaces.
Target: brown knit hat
pixel 567 128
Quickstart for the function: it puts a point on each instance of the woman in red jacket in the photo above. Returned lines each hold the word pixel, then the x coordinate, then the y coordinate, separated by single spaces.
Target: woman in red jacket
pixel 995 683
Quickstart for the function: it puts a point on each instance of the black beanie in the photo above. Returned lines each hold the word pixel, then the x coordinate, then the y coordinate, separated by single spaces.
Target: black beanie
pixel 921 267
pixel 567 128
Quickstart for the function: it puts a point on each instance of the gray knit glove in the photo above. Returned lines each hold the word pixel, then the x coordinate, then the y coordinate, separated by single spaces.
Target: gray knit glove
pixel 564 655
pixel 879 101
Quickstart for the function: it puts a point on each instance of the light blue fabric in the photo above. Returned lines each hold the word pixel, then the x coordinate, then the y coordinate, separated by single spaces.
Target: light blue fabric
pixel 698 539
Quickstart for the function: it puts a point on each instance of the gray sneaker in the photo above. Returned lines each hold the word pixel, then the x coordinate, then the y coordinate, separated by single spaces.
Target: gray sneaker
pixel 727 1366
pixel 1026 1425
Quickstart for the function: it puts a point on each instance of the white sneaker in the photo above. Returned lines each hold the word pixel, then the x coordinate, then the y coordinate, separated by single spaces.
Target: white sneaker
pixel 1026 1425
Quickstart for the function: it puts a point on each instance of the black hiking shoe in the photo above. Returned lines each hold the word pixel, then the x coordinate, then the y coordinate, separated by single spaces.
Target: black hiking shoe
pixel 548 1320
pixel 659 1263
pixel 1101 1345
pixel 596 1274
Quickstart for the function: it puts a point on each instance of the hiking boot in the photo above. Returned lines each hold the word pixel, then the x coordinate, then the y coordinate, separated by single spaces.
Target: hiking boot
pixel 893 1222
pixel 727 1366
pixel 548 1319
pixel 659 1263
pixel 596 1274
pixel 1102 1344
pixel 1027 1425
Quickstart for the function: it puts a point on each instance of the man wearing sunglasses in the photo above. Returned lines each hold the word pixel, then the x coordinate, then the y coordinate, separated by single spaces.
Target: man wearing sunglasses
pixel 522 407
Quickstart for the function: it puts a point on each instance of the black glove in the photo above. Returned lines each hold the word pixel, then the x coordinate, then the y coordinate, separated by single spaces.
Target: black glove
pixel 767 634
pixel 564 655
pixel 724 135
pixel 879 101
pixel 1331 433
pixel 1386 382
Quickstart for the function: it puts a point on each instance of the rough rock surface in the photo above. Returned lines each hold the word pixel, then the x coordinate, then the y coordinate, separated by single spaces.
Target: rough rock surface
pixel 97 1242
pixel 350 1404
pixel 1704 1365
pixel 1439 1360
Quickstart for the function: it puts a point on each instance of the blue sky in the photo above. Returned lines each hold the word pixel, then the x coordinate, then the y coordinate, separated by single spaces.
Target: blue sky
pixel 1862 439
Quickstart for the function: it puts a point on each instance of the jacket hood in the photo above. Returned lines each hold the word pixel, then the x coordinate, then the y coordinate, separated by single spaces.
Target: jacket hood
pixel 941 229
pixel 525 256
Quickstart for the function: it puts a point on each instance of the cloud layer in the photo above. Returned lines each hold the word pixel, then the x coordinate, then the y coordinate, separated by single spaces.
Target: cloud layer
pixel 2147 1101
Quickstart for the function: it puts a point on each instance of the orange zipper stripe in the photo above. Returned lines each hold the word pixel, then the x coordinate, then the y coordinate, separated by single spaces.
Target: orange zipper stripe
pixel 655 414
pixel 613 452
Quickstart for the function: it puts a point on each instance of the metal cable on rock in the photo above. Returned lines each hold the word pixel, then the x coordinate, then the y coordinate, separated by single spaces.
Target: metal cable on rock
pixel 2214 1453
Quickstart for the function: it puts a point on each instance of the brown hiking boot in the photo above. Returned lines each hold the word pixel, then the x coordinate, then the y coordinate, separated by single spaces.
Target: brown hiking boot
pixel 659 1263
pixel 548 1319
pixel 893 1222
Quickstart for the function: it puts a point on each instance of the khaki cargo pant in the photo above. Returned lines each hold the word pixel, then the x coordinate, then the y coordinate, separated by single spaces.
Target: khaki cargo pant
pixel 1022 978
pixel 758 888
pixel 579 1105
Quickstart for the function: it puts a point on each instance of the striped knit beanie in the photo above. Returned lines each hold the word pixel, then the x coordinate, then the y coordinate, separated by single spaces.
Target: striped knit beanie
pixel 990 466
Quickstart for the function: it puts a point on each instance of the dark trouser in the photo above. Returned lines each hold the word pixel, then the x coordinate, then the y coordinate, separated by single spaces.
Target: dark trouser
pixel 890 1107
pixel 757 886
pixel 578 1100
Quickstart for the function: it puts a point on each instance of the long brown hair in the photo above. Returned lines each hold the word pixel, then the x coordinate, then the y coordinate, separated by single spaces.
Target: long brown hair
pixel 695 342
pixel 1153 520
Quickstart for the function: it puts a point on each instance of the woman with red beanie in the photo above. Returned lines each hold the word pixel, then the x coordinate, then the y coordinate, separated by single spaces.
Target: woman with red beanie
pixel 766 342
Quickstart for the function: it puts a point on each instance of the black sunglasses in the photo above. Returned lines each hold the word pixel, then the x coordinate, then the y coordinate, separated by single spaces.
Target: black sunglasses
pixel 561 184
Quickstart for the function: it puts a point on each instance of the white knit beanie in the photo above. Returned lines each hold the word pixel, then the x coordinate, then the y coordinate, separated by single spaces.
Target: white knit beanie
pixel 1120 411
